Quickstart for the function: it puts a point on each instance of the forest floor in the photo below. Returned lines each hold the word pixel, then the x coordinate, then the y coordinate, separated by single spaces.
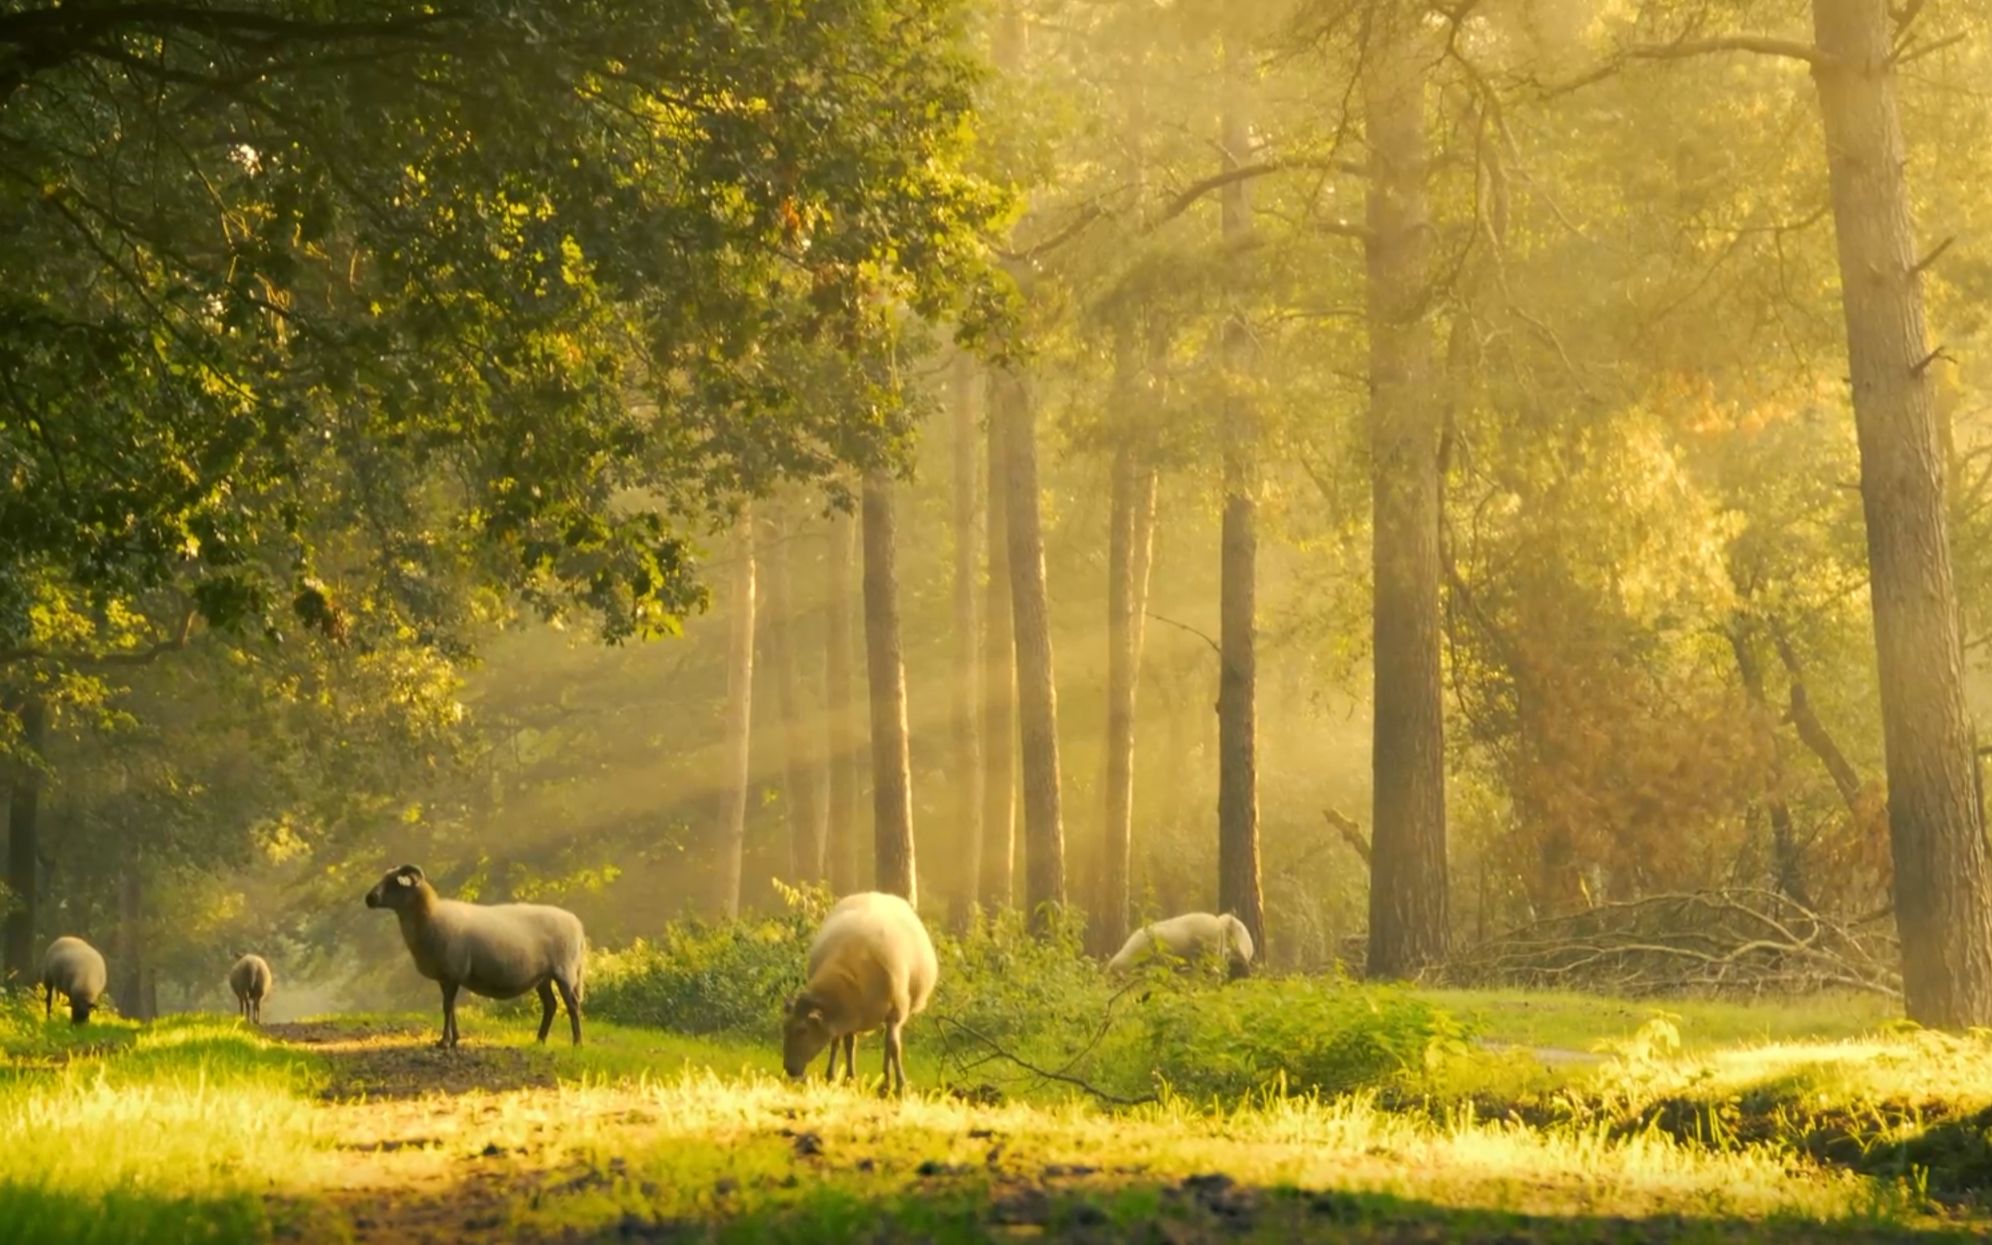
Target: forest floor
pixel 1710 1124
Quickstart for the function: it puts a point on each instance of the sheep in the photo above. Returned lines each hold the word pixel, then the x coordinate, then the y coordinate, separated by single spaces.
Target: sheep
pixel 74 968
pixel 252 981
pixel 870 965
pixel 1186 937
pixel 499 951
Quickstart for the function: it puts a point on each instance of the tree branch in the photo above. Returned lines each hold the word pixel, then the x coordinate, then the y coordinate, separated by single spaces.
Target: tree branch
pixel 1351 833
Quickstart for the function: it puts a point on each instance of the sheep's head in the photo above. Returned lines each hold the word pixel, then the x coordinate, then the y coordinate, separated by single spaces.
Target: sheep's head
pixel 805 1032
pixel 80 1008
pixel 397 888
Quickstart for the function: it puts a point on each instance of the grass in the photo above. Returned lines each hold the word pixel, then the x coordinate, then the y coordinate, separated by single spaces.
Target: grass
pixel 198 1129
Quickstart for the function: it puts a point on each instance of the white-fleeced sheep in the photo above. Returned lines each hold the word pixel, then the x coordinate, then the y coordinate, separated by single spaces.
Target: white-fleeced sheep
pixel 500 951
pixel 75 969
pixel 871 966
pixel 252 981
pixel 1188 937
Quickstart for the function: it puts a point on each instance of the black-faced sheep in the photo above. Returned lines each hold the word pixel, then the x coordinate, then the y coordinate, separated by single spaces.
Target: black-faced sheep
pixel 252 981
pixel 871 965
pixel 500 951
pixel 1188 937
pixel 75 969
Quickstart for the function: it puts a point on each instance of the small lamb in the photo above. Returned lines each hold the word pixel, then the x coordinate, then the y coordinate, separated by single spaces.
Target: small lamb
pixel 870 965
pixel 499 951
pixel 1187 937
pixel 75 969
pixel 252 981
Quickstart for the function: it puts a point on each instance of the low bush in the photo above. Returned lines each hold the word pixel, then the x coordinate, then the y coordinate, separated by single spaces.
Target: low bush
pixel 1008 1002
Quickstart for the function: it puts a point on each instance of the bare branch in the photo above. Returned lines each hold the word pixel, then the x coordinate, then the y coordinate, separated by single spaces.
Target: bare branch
pixel 1201 635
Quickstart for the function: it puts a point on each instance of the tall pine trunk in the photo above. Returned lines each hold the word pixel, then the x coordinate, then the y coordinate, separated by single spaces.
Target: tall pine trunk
pixel 1037 693
pixel 805 804
pixel 1408 909
pixel 739 713
pixel 130 980
pixel 1238 891
pixel 968 775
pixel 1130 544
pixel 892 782
pixel 24 845
pixel 999 667
pixel 1943 891
pixel 841 836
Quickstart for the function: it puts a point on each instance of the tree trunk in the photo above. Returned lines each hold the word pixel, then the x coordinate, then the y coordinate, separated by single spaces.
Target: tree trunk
pixel 1408 918
pixel 1787 869
pixel 1130 546
pixel 968 774
pixel 24 846
pixel 1238 888
pixel 1037 693
pixel 739 713
pixel 1943 893
pixel 841 832
pixel 999 669
pixel 805 804
pixel 128 983
pixel 892 783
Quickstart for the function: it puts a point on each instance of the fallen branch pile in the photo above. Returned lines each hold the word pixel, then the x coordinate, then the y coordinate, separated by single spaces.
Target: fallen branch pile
pixel 1740 942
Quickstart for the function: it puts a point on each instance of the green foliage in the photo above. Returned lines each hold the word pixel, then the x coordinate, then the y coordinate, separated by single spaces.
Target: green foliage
pixel 726 977
pixel 1281 1036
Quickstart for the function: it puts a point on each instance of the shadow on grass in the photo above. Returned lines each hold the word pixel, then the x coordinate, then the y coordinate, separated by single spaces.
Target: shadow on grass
pixel 588 1206
pixel 393 1059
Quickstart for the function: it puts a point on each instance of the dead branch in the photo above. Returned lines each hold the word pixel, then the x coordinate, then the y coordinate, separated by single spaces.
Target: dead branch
pixel 998 1050
pixel 1741 942
pixel 1351 833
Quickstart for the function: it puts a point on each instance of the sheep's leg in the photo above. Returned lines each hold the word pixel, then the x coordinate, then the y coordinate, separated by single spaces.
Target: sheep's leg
pixel 546 1010
pixel 850 1056
pixel 573 1006
pixel 449 1015
pixel 836 1047
pixel 48 1002
pixel 895 1073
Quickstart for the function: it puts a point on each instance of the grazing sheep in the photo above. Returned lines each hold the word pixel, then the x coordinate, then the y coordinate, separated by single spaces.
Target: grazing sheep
pixel 499 951
pixel 1188 937
pixel 870 965
pixel 252 981
pixel 73 968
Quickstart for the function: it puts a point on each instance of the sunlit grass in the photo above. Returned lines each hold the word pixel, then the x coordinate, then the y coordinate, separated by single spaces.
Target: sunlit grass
pixel 1580 1022
pixel 165 1132
pixel 200 1129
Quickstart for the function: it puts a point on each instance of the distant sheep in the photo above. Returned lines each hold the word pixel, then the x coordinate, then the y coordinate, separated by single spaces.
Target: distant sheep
pixel 1189 937
pixel 871 965
pixel 75 969
pixel 500 951
pixel 252 981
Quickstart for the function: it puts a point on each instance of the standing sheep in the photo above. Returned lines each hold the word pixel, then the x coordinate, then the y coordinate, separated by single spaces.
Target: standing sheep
pixel 1187 937
pixel 871 965
pixel 252 981
pixel 499 951
pixel 76 969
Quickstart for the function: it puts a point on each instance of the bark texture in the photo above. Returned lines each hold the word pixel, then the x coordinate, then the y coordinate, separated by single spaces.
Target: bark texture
pixel 1943 891
pixel 968 773
pixel 1238 885
pixel 845 779
pixel 796 707
pixel 24 848
pixel 1408 901
pixel 1037 693
pixel 739 714
pixel 1130 545
pixel 999 671
pixel 892 782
